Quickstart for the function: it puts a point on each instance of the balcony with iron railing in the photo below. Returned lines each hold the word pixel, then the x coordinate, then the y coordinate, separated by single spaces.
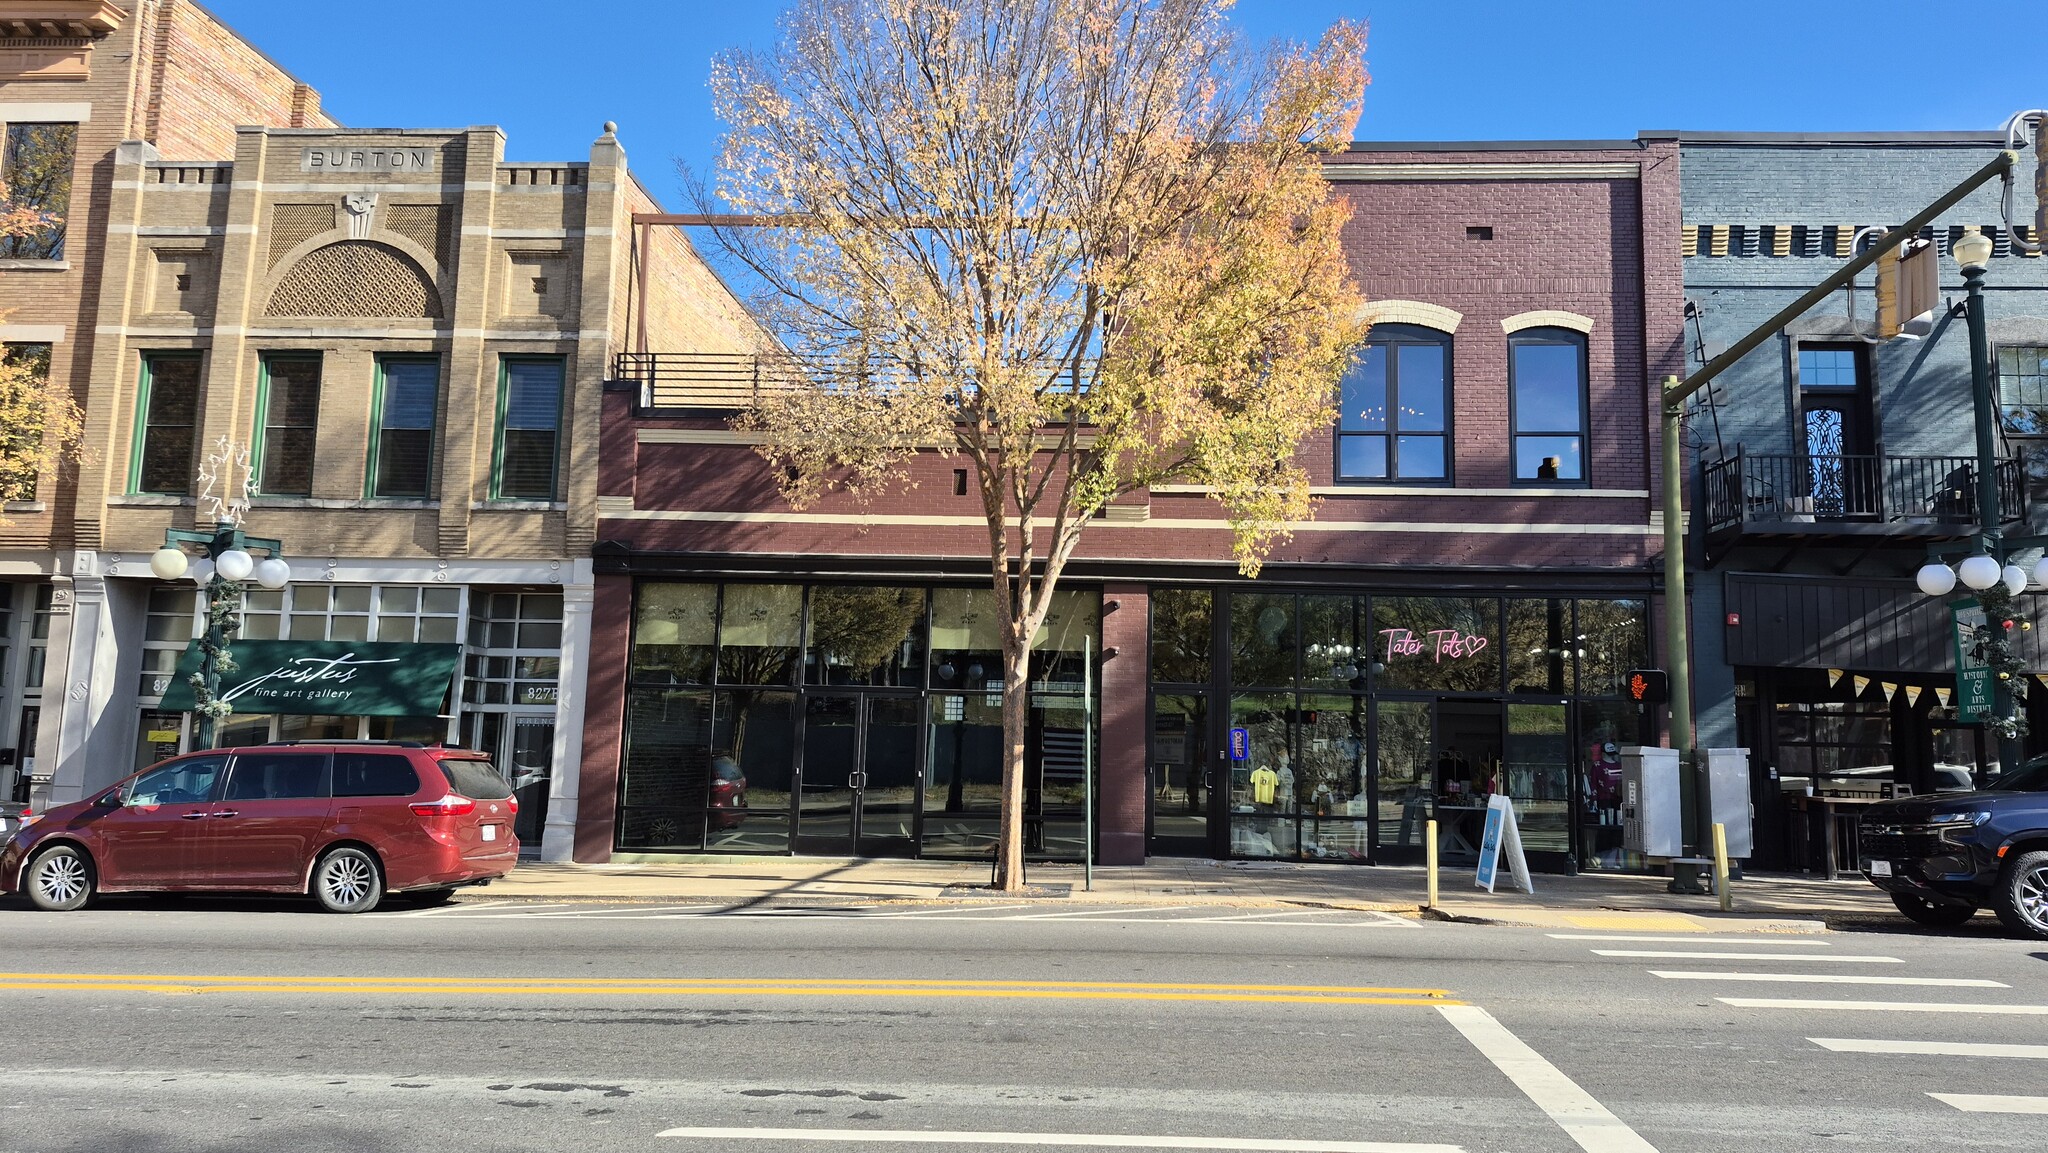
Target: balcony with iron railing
pixel 1796 495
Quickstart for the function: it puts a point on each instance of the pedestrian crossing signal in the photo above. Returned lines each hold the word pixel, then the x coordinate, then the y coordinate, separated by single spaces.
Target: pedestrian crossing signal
pixel 1648 686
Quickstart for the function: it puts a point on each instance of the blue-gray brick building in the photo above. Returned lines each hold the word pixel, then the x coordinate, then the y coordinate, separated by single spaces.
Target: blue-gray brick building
pixel 1825 464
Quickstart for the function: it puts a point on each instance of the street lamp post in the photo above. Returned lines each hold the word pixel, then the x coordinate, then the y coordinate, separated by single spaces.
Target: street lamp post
pixel 1989 572
pixel 223 569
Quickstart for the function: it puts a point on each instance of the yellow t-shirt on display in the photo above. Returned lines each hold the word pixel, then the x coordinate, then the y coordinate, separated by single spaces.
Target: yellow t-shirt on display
pixel 1265 783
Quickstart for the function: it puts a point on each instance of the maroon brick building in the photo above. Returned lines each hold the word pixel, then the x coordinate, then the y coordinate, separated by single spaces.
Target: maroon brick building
pixel 1454 621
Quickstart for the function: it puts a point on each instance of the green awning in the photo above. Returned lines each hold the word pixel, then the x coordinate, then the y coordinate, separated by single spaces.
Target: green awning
pixel 333 678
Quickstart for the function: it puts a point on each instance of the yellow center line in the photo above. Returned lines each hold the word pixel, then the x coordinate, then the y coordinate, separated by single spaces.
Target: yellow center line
pixel 171 984
pixel 709 981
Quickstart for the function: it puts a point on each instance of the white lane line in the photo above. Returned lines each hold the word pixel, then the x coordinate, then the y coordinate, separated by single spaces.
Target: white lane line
pixel 1692 940
pixel 1930 1048
pixel 1689 955
pixel 1093 913
pixel 1832 979
pixel 475 905
pixel 1887 1006
pixel 629 910
pixel 1248 917
pixel 1109 1140
pixel 1992 1103
pixel 1583 1119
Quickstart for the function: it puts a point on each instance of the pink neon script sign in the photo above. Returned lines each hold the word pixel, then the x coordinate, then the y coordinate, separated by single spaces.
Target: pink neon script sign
pixel 1441 643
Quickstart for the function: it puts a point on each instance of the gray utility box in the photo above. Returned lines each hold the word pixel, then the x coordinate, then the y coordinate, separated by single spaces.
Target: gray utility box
pixel 1727 779
pixel 1652 820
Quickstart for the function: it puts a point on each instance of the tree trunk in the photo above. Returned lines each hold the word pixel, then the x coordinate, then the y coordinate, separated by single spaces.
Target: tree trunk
pixel 1016 705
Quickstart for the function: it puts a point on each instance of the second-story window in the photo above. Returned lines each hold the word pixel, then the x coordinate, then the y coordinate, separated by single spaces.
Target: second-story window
pixel 2023 389
pixel 22 460
pixel 166 428
pixel 1393 421
pixel 289 411
pixel 35 177
pixel 1547 405
pixel 529 423
pixel 402 439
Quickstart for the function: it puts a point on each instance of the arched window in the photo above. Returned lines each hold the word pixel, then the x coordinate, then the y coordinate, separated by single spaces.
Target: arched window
pixel 1394 412
pixel 1547 405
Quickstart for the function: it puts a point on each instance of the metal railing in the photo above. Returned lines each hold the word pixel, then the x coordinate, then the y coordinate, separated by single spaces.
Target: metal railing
pixel 1791 488
pixel 736 380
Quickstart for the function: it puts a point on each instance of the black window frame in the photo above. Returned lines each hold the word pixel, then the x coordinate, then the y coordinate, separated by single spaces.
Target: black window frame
pixel 270 455
pixel 373 479
pixel 2037 348
pixel 1392 337
pixel 1551 335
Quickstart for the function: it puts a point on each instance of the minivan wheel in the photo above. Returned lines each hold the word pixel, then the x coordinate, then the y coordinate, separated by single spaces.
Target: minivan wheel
pixel 60 879
pixel 347 880
pixel 2023 895
pixel 1941 914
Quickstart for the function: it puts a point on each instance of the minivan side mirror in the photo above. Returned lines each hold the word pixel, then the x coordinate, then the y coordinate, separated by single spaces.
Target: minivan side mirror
pixel 109 800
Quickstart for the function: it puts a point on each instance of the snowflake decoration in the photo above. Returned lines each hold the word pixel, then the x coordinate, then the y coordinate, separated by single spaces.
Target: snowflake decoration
pixel 226 479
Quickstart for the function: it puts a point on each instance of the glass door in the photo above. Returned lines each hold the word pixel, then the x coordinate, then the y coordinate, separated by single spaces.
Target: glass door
pixel 528 764
pixel 1182 782
pixel 1467 773
pixel 863 758
pixel 1402 783
pixel 1536 776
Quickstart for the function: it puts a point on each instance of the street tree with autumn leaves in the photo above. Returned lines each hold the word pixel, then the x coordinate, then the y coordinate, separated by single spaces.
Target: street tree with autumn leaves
pixel 1085 244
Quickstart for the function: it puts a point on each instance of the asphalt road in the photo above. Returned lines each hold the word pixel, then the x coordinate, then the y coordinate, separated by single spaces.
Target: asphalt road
pixel 192 1025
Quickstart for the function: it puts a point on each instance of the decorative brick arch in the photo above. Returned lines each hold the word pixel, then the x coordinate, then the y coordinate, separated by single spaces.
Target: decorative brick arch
pixel 1547 318
pixel 1411 312
pixel 355 278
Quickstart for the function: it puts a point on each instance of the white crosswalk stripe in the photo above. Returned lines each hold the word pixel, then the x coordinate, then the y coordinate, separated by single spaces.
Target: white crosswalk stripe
pixel 1930 1048
pixel 1833 979
pixel 1803 942
pixel 1886 1006
pixel 1992 1103
pixel 1702 955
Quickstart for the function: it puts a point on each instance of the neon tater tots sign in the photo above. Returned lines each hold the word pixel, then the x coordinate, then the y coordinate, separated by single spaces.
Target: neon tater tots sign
pixel 1437 643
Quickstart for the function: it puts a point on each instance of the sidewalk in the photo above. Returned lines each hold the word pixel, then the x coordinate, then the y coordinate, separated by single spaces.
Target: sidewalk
pixel 1586 901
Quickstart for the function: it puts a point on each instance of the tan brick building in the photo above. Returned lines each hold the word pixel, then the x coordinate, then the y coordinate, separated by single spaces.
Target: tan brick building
pixel 409 337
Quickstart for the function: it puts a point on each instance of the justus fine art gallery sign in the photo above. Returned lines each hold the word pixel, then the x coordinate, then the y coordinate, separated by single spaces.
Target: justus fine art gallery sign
pixel 334 678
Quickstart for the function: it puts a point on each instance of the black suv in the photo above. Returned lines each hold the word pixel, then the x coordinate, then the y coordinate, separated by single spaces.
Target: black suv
pixel 1944 857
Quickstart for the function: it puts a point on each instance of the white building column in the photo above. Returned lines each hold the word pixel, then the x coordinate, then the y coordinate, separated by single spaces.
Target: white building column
pixel 558 836
pixel 71 688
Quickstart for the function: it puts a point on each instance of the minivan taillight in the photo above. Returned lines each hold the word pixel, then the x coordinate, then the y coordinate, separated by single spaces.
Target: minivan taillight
pixel 451 805
pixel 512 803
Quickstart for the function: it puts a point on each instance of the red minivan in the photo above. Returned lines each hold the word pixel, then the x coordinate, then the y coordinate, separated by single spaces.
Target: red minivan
pixel 346 821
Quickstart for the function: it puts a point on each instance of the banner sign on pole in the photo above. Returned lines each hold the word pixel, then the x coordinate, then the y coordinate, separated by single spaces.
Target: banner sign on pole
pixel 1502 834
pixel 1973 677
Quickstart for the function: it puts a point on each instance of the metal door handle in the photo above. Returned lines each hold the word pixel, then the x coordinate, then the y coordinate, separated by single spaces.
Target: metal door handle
pixel 192 816
pixel 228 813
pixel 856 780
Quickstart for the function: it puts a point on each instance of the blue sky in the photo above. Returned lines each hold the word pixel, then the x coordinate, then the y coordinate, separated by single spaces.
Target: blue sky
pixel 551 73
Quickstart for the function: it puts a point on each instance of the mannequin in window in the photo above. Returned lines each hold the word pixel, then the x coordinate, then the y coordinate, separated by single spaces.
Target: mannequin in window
pixel 1548 469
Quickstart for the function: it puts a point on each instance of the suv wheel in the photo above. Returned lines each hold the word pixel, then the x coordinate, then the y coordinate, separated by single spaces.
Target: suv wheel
pixel 1941 914
pixel 2022 900
pixel 347 880
pixel 60 879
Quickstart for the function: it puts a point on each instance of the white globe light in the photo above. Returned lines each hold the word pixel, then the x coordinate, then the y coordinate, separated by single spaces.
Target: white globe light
pixel 235 565
pixel 1978 572
pixel 168 563
pixel 273 573
pixel 1935 579
pixel 2015 579
pixel 2041 571
pixel 202 571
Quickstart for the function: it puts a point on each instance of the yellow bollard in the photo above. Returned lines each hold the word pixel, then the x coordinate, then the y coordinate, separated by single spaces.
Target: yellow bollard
pixel 1721 866
pixel 1430 853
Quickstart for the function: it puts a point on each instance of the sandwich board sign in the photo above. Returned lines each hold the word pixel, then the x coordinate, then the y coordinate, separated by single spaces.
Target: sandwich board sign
pixel 1502 835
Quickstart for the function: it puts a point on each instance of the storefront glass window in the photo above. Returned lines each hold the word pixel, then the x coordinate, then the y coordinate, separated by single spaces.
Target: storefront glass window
pixel 1539 646
pixel 1262 639
pixel 1613 637
pixel 675 631
pixel 862 635
pixel 666 770
pixel 963 774
pixel 172 621
pixel 1605 727
pixel 1536 772
pixel 747 791
pixel 1403 780
pixel 1181 638
pixel 967 640
pixel 1262 786
pixel 1443 644
pixel 760 627
pixel 1332 655
pixel 1332 736
pixel 299 727
pixel 242 729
